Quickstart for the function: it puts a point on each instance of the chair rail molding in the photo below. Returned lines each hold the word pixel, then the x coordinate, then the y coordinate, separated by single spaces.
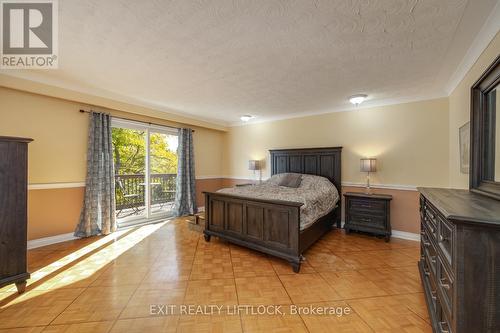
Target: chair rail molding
pixel 47 186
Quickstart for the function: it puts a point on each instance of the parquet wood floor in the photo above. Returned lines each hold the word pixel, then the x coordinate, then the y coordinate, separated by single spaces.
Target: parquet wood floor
pixel 108 284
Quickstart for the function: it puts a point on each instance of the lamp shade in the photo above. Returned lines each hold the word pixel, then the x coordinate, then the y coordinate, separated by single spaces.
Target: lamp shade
pixel 368 165
pixel 254 165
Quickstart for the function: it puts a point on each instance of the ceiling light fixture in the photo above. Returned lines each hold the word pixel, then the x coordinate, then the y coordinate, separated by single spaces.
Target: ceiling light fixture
pixel 357 99
pixel 246 117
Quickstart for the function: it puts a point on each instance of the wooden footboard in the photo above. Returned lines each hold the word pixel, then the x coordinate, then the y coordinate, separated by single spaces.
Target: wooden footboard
pixel 269 226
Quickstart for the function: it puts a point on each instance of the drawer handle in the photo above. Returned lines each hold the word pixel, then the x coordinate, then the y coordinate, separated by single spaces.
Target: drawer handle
pixel 427 244
pixel 433 260
pixel 429 224
pixel 443 324
pixel 442 238
pixel 364 205
pixel 444 285
pixel 427 273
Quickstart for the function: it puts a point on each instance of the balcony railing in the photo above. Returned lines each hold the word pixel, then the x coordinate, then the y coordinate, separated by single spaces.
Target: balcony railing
pixel 130 189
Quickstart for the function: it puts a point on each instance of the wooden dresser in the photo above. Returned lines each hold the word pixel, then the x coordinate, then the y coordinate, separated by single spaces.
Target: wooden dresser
pixel 13 211
pixel 460 260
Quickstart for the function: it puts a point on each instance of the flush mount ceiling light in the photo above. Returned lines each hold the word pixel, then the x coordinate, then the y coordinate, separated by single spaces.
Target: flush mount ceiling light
pixel 357 99
pixel 246 117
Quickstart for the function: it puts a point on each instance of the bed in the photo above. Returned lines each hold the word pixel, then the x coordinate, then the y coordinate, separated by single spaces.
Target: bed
pixel 274 226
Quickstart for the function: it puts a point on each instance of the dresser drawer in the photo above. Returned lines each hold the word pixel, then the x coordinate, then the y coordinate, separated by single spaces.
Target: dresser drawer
pixel 430 220
pixel 430 226
pixel 445 284
pixel 367 220
pixel 430 284
pixel 372 207
pixel 430 252
pixel 445 240
pixel 444 324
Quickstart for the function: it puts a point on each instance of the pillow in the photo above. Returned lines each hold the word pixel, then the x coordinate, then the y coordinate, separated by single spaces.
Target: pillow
pixel 275 179
pixel 290 180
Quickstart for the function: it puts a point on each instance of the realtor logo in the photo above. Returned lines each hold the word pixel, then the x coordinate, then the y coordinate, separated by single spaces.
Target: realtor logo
pixel 29 34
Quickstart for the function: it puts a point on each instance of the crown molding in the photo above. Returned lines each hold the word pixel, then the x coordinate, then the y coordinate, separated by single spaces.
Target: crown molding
pixel 365 106
pixel 33 83
pixel 488 31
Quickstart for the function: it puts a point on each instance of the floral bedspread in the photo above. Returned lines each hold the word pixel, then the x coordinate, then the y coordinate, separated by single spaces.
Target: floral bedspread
pixel 317 193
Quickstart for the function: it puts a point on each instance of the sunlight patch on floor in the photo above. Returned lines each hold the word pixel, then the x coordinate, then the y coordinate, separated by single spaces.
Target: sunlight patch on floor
pixel 78 275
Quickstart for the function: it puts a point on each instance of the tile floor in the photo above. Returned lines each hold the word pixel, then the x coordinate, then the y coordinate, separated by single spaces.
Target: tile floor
pixel 107 284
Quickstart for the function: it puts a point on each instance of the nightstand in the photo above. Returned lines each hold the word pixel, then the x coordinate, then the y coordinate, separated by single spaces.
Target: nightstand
pixel 369 213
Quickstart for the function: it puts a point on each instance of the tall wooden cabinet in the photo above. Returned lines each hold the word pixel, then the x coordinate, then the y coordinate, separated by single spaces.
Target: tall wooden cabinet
pixel 13 211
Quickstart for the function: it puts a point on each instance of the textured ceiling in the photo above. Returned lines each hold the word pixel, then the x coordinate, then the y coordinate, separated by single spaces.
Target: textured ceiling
pixel 221 59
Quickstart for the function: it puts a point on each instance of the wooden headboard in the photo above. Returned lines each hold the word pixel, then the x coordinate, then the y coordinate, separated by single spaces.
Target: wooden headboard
pixel 325 162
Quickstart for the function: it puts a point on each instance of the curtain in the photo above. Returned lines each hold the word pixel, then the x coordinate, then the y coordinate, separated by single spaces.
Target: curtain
pixel 98 212
pixel 185 192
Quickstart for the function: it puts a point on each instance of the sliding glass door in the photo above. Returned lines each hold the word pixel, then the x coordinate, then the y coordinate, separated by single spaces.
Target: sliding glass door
pixel 145 158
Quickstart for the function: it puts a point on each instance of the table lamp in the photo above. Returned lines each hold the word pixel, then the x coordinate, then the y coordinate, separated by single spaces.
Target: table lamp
pixel 255 165
pixel 368 165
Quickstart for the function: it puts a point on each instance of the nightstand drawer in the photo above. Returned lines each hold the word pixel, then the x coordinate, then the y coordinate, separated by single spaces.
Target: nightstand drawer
pixel 373 207
pixel 367 220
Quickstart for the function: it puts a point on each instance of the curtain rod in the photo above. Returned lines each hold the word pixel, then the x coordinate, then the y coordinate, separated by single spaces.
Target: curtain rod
pixel 85 111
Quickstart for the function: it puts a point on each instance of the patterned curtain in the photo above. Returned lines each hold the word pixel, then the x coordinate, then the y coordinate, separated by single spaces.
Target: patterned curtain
pixel 185 192
pixel 98 212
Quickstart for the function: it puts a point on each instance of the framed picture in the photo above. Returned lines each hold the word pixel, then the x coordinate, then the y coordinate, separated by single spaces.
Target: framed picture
pixel 464 141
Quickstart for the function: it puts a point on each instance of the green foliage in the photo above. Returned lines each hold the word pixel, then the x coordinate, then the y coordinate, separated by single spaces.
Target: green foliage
pixel 162 159
pixel 129 152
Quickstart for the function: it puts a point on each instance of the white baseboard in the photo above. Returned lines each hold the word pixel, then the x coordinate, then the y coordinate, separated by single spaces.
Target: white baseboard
pixel 401 234
pixel 34 243
pixel 406 235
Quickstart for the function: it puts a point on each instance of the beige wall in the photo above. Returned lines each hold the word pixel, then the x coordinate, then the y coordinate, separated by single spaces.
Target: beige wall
pixel 460 110
pixel 53 212
pixel 58 155
pixel 416 145
pixel 56 211
pixel 410 142
pixel 405 205
pixel 58 152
